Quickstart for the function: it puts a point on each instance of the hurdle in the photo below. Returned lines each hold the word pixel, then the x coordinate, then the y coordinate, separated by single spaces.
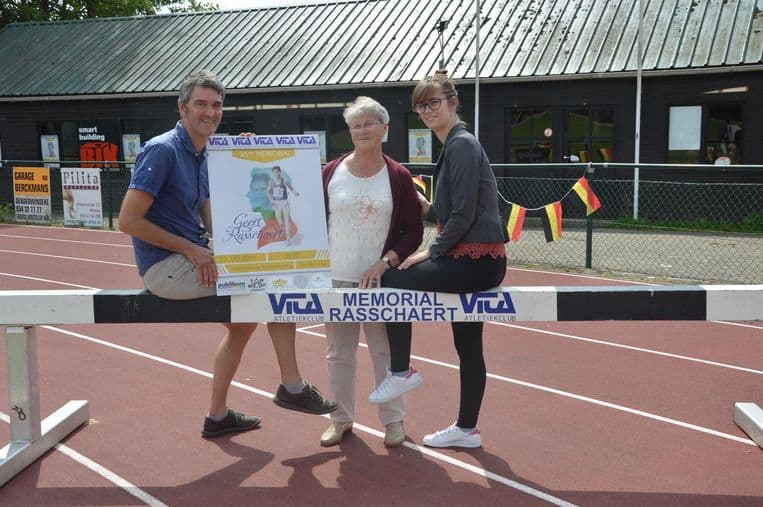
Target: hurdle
pixel 22 310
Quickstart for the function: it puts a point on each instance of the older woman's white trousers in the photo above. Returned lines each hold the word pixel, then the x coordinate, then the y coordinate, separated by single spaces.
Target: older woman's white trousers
pixel 342 349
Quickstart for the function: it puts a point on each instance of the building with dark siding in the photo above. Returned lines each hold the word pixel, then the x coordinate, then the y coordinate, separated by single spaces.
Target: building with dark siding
pixel 557 78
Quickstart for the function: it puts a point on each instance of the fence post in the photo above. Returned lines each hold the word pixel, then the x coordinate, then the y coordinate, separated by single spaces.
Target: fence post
pixel 111 205
pixel 589 227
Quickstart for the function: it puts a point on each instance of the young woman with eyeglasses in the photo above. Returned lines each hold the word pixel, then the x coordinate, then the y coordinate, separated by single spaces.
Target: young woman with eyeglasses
pixel 466 255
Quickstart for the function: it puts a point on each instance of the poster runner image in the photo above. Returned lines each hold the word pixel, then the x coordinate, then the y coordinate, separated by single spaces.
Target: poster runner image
pixel 420 146
pixel 81 193
pixel 268 213
pixel 49 150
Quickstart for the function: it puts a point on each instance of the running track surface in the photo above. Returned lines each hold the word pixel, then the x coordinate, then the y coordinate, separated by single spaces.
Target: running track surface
pixel 610 413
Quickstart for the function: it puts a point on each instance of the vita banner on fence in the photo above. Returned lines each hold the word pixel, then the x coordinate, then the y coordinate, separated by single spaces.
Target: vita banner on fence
pixel 268 213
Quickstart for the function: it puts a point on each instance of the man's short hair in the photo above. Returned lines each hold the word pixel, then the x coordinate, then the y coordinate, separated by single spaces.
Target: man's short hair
pixel 202 78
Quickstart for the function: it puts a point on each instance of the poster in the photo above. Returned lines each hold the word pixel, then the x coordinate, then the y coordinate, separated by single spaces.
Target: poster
pixel 685 128
pixel 95 144
pixel 130 147
pixel 31 194
pixel 81 193
pixel 49 150
pixel 268 213
pixel 419 146
pixel 321 135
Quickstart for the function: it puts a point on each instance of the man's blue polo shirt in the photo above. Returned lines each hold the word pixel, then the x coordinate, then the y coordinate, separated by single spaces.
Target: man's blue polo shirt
pixel 169 168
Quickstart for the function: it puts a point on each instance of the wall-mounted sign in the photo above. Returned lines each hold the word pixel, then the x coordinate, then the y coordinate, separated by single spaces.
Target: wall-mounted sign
pixel 96 147
pixel 49 149
pixel 130 147
pixel 685 124
pixel 420 146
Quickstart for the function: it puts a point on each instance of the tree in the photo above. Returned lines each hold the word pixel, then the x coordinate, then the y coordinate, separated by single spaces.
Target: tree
pixel 13 11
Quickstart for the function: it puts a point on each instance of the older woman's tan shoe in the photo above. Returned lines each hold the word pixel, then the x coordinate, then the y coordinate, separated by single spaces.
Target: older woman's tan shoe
pixel 334 433
pixel 394 436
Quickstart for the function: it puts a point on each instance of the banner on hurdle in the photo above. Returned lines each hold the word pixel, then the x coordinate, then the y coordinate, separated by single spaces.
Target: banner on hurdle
pixel 502 304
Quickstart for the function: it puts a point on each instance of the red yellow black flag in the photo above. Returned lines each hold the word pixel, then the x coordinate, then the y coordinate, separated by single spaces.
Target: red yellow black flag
pixel 583 189
pixel 552 221
pixel 516 221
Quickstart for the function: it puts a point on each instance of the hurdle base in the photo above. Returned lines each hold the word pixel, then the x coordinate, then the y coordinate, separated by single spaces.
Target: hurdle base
pixel 19 454
pixel 749 417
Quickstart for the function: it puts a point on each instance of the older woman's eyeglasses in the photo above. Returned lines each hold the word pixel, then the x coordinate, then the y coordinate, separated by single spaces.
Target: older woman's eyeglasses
pixel 433 105
pixel 365 126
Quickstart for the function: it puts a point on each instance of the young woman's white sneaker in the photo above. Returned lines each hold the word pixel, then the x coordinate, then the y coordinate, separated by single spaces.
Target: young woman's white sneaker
pixel 453 436
pixel 394 386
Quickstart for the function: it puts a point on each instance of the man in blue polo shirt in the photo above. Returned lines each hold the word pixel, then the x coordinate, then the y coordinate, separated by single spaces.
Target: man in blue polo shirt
pixel 167 212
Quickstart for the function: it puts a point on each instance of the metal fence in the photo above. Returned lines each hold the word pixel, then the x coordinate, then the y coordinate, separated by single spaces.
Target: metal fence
pixel 689 231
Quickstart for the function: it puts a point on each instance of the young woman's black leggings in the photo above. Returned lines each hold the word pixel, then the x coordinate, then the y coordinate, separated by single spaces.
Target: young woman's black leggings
pixel 445 274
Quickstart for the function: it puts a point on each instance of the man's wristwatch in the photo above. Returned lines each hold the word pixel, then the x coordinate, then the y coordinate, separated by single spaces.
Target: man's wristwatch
pixel 386 259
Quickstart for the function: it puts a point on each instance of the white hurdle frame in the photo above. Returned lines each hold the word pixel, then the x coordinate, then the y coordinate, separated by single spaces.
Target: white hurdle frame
pixel 20 311
pixel 30 436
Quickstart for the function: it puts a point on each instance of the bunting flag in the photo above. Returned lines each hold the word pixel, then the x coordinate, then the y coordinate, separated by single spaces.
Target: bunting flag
pixel 516 221
pixel 420 185
pixel 606 153
pixel 583 189
pixel 583 155
pixel 424 185
pixel 552 221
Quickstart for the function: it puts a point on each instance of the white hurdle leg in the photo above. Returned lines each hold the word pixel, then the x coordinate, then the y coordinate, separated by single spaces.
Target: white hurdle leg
pixel 749 417
pixel 30 437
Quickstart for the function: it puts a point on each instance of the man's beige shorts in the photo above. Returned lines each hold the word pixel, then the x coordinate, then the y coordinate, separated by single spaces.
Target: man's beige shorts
pixel 175 278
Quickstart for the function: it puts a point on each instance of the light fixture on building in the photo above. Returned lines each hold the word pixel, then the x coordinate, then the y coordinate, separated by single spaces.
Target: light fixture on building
pixel 737 89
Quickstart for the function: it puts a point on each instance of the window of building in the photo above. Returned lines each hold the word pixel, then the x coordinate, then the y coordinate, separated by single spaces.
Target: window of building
pixel 146 128
pixel 684 134
pixel 530 132
pixel 723 141
pixel 91 141
pixel 233 125
pixel 709 133
pixel 590 134
pixel 337 135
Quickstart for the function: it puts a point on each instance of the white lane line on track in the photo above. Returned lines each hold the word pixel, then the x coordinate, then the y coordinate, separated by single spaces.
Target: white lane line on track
pixel 579 397
pixel 433 454
pixel 104 472
pixel 69 258
pixel 631 347
pixel 576 275
pixel 65 240
pixel 49 281
pixel 48 228
pixel 313 326
pixel 736 324
pixel 622 408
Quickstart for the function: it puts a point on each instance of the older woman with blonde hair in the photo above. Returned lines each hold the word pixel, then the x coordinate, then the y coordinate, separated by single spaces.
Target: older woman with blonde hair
pixel 374 222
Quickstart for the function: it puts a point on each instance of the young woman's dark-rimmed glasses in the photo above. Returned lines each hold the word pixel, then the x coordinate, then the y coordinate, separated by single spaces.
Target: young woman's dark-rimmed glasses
pixel 433 105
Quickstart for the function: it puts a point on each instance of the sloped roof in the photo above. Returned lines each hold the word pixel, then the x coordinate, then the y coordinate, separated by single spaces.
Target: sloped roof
pixel 372 42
